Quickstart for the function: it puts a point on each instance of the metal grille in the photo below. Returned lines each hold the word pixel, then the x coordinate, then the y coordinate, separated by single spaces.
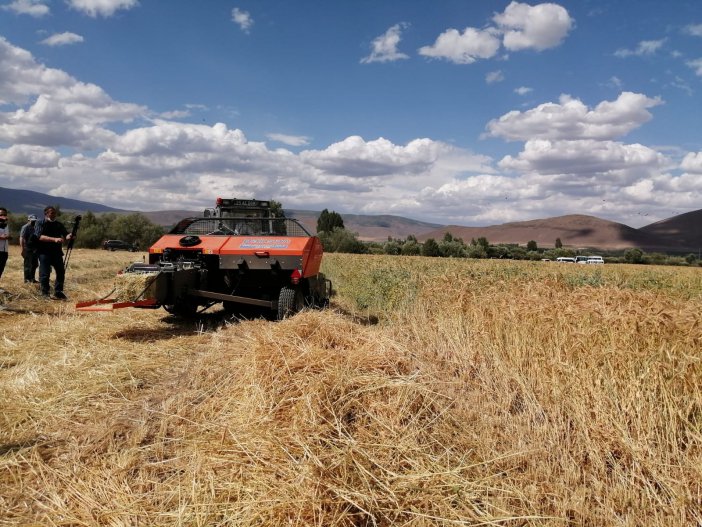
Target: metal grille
pixel 240 227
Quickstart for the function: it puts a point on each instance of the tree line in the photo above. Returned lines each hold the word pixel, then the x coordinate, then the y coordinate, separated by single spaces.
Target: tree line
pixel 94 229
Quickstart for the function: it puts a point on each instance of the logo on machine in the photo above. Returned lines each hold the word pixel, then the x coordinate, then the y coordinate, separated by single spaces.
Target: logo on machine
pixel 265 243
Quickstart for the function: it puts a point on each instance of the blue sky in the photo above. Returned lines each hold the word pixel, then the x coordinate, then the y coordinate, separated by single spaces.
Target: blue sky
pixel 464 112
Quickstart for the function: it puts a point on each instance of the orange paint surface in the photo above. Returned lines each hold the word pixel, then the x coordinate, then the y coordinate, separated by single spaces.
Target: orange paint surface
pixel 310 248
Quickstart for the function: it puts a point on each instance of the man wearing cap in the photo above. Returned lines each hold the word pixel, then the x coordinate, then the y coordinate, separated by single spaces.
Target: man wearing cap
pixel 29 253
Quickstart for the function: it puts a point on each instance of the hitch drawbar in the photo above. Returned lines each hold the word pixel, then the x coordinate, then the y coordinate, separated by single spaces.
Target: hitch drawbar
pixel 107 304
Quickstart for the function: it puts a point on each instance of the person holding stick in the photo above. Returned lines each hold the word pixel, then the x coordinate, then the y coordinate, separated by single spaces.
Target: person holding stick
pixel 4 239
pixel 50 236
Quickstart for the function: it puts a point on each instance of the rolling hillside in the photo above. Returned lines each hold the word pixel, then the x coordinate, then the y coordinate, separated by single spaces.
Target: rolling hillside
pixel 683 229
pixel 575 230
pixel 30 202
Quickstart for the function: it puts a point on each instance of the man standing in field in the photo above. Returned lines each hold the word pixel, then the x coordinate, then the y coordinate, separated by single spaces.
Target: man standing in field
pixel 29 253
pixel 4 238
pixel 51 235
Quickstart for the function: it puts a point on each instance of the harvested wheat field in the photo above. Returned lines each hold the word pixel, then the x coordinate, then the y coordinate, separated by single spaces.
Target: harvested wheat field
pixel 431 392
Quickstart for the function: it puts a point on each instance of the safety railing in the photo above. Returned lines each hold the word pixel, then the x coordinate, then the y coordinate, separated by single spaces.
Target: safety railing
pixel 240 227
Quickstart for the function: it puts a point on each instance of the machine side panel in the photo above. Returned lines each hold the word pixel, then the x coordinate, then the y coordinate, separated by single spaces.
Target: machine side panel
pixel 274 245
pixel 312 258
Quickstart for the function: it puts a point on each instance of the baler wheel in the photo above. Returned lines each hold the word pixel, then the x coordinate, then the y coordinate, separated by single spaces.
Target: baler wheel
pixel 290 301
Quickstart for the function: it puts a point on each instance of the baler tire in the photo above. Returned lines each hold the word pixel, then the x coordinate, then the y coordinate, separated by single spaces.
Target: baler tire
pixel 290 301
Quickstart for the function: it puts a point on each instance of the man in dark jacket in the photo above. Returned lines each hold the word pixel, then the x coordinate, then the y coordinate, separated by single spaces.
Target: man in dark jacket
pixel 51 234
pixel 4 238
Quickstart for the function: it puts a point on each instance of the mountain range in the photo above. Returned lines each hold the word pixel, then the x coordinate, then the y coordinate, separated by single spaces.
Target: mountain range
pixel 681 233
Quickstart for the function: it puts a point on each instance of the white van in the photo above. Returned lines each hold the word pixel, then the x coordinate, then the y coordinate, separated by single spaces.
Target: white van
pixel 595 260
pixel 565 259
pixel 581 259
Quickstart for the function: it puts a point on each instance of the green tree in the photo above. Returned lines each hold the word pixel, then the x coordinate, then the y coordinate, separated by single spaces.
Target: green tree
pixel 483 242
pixel 452 249
pixel 559 243
pixel 531 246
pixel 691 258
pixel 328 221
pixel 133 228
pixel 411 248
pixel 499 251
pixel 476 251
pixel 92 231
pixel 277 208
pixel 391 247
pixel 14 223
pixel 634 256
pixel 518 253
pixel 430 248
pixel 448 237
pixel 339 240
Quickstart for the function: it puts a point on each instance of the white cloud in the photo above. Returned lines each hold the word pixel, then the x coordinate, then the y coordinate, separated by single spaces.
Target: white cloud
pixel 29 156
pixel 105 8
pixel 615 82
pixel 62 39
pixel 571 119
pixel 354 157
pixel 583 158
pixel 694 30
pixel 242 19
pixel 538 27
pixel 35 8
pixel 175 114
pixel 692 162
pixel 696 65
pixel 519 27
pixel 53 108
pixel 481 199
pixel 645 47
pixel 523 90
pixel 290 140
pixel 494 76
pixel 464 48
pixel 385 46
pixel 681 84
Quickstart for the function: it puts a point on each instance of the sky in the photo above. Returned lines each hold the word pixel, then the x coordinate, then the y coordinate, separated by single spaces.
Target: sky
pixel 463 112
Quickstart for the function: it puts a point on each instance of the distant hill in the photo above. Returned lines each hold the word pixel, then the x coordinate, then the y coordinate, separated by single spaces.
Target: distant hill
pixel 685 229
pixel 575 230
pixel 680 233
pixel 30 202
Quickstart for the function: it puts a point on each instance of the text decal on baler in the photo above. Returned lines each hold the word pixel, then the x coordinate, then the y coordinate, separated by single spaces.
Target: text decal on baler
pixel 265 243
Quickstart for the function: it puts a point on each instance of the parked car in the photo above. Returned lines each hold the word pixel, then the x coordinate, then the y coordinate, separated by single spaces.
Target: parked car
pixel 565 259
pixel 595 260
pixel 581 259
pixel 119 245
